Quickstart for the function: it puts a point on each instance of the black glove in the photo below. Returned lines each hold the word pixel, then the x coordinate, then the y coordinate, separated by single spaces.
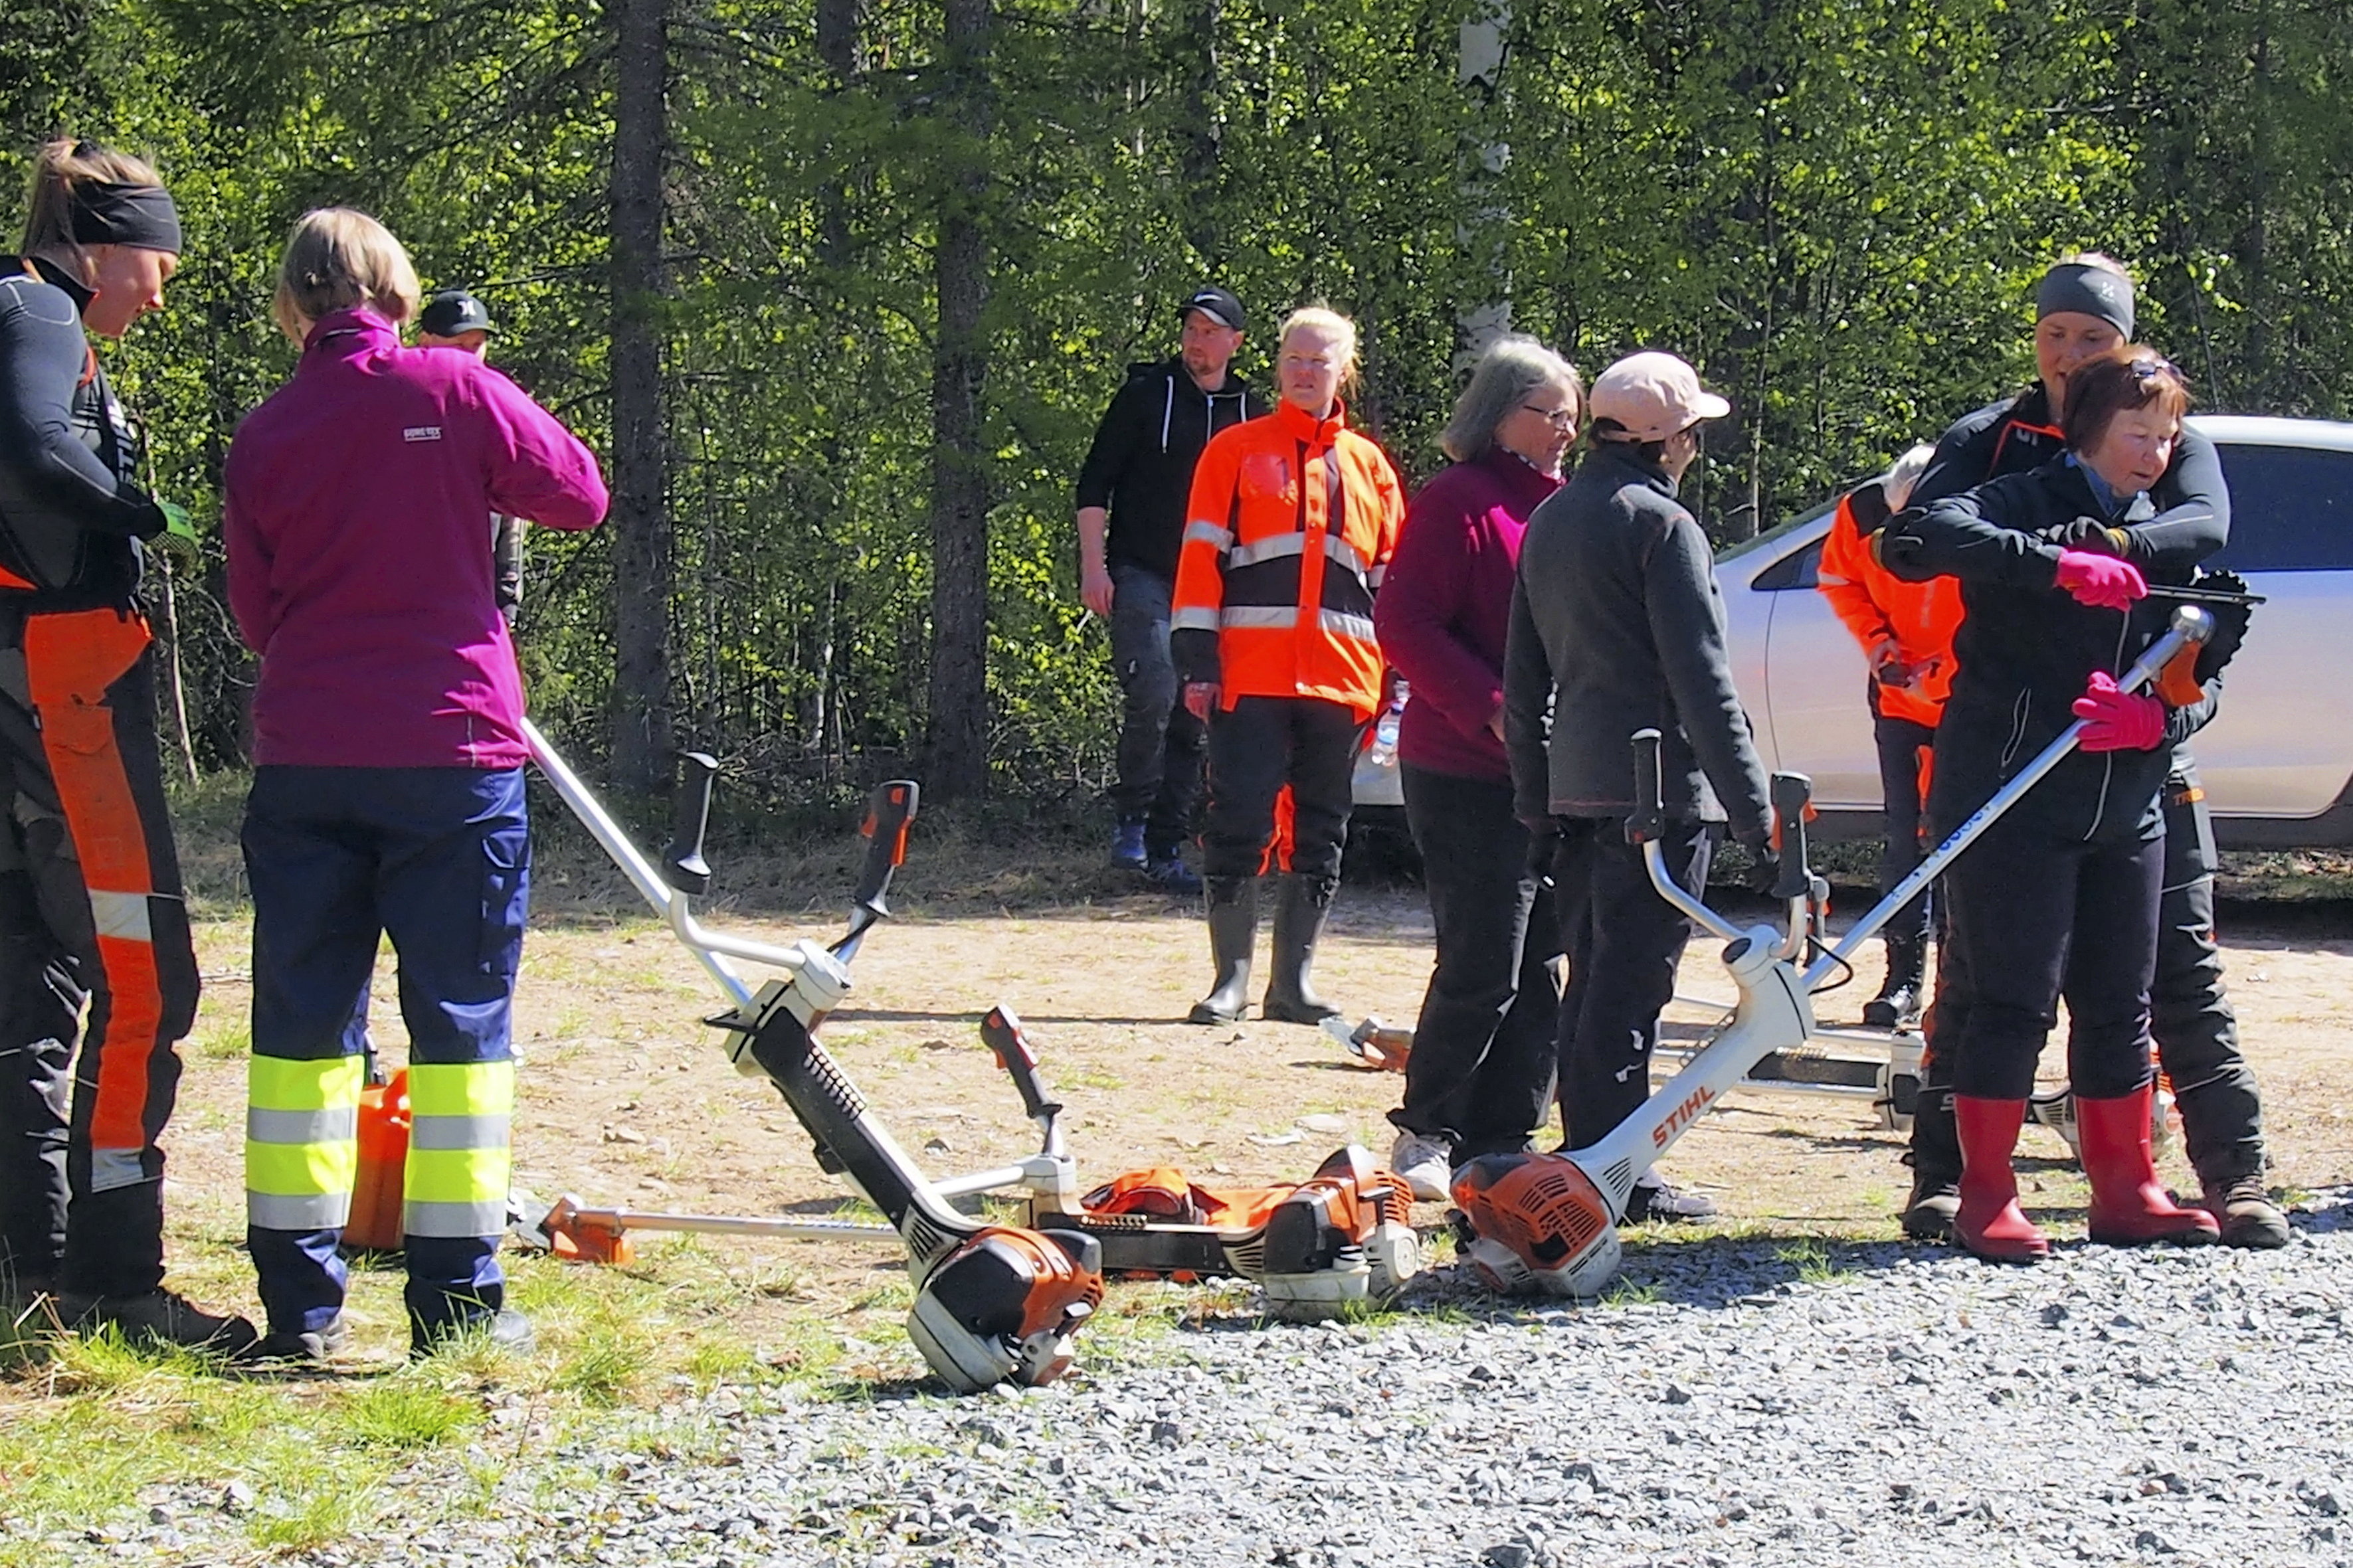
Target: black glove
pixel 2090 533
pixel 1764 868
pixel 2230 624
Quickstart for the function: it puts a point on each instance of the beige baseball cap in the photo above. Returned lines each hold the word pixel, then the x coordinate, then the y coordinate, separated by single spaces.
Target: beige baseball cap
pixel 1652 395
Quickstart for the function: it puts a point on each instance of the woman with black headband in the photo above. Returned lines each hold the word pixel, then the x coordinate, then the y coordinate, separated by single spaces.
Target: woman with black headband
pixel 90 904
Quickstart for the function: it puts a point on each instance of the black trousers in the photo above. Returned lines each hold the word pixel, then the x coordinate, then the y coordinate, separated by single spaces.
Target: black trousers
pixel 94 944
pixel 2037 918
pixel 1482 1072
pixel 1256 747
pixel 1160 742
pixel 1623 943
pixel 1904 747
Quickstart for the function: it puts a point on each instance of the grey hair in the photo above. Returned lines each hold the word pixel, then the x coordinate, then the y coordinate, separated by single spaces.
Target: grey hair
pixel 1895 484
pixel 1512 367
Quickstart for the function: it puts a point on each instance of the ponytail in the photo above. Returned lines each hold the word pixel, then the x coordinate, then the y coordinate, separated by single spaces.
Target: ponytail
pixel 70 177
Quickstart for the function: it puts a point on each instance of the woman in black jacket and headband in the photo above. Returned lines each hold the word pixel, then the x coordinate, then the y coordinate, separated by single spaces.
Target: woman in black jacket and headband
pixel 91 905
pixel 2059 896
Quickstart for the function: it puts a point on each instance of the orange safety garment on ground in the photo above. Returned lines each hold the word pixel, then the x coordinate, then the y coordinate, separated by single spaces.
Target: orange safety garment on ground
pixel 1879 607
pixel 1291 522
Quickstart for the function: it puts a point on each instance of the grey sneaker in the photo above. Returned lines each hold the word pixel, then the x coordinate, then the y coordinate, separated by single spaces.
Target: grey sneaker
pixel 159 1318
pixel 1426 1163
pixel 1654 1198
pixel 315 1345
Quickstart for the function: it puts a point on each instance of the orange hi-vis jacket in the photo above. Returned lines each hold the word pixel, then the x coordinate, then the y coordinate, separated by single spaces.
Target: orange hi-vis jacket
pixel 1880 608
pixel 1291 522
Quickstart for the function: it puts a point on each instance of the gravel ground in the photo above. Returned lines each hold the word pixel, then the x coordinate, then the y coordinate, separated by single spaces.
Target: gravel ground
pixel 1744 1402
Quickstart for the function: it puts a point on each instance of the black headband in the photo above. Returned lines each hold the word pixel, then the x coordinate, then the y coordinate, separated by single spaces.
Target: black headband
pixel 106 213
pixel 2088 290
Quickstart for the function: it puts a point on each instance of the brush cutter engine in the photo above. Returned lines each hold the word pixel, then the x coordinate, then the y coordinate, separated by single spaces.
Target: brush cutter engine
pixel 1538 1224
pixel 1343 1238
pixel 1002 1307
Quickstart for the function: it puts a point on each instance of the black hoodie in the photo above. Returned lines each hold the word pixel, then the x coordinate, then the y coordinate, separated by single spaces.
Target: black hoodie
pixel 1141 466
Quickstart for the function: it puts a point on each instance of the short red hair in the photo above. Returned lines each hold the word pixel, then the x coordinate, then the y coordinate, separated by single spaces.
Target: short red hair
pixel 2131 376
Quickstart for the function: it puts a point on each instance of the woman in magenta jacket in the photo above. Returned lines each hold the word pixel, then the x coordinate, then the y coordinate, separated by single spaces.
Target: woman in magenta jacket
pixel 1481 1076
pixel 388 792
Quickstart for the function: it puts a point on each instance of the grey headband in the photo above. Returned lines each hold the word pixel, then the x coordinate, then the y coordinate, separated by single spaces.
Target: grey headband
pixel 2088 291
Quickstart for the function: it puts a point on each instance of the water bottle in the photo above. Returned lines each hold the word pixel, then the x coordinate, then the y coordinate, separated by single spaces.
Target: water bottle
pixel 1382 753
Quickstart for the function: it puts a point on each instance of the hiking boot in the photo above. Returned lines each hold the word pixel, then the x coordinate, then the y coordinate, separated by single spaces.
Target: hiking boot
pixel 2248 1215
pixel 159 1318
pixel 1127 846
pixel 1427 1164
pixel 1172 875
pixel 506 1328
pixel 1928 1211
pixel 1654 1197
pixel 320 1344
pixel 1897 1005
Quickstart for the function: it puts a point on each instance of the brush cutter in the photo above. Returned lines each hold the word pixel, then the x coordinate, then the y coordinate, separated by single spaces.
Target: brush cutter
pixel 1549 1222
pixel 993 1303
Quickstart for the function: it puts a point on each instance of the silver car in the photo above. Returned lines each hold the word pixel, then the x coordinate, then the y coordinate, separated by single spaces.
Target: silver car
pixel 2277 761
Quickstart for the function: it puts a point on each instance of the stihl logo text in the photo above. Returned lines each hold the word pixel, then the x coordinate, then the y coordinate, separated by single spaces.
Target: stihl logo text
pixel 1690 1107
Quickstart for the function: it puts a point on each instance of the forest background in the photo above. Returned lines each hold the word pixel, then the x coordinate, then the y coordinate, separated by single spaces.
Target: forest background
pixel 838 288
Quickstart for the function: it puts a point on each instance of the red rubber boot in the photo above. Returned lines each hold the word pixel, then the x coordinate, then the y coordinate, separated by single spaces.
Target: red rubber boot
pixel 1991 1223
pixel 2128 1208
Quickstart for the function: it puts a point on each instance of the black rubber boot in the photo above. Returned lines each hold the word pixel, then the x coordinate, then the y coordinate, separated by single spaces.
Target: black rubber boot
pixel 1935 1160
pixel 1897 1005
pixel 1298 925
pixel 1233 932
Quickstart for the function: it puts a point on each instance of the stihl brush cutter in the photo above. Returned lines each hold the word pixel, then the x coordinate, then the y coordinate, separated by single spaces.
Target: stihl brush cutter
pixel 993 1303
pixel 1549 1222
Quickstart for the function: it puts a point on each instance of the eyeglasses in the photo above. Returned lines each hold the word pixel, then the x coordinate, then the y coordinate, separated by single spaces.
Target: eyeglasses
pixel 2151 367
pixel 1558 418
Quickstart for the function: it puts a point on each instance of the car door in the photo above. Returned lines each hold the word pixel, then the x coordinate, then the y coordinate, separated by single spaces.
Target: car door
pixel 2281 742
pixel 1815 704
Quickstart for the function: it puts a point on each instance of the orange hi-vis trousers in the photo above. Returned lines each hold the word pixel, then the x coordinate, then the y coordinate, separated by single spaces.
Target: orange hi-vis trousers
pixel 92 915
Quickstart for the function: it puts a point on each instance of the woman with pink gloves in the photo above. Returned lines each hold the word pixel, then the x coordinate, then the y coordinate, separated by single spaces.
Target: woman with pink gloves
pixel 2060 896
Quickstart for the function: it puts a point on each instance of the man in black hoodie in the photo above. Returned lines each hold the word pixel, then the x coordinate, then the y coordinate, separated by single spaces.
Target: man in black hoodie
pixel 1132 495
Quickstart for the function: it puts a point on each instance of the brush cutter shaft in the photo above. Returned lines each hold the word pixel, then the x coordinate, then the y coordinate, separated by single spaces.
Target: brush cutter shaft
pixel 2189 625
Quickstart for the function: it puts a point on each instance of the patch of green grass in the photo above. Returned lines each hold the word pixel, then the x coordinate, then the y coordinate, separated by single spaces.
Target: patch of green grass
pixel 1630 1293
pixel 401 1413
pixel 229 1039
pixel 1811 1258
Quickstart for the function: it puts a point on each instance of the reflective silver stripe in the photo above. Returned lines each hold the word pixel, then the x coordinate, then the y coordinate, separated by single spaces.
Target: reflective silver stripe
pixel 1193 620
pixel 120 915
pixel 1341 551
pixel 457 1132
pixel 1261 616
pixel 313 1211
pixel 114 1168
pixel 1340 624
pixel 1269 549
pixel 302 1127
pixel 455 1219
pixel 1374 577
pixel 1211 533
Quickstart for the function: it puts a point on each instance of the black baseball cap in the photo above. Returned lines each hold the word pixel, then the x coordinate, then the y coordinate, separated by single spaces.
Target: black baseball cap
pixel 453 310
pixel 1216 303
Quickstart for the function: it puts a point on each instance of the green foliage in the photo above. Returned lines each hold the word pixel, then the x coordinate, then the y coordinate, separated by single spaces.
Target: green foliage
pixel 1837 208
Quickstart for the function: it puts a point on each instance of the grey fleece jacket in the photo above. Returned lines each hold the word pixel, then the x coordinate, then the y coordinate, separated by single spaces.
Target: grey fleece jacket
pixel 1617 625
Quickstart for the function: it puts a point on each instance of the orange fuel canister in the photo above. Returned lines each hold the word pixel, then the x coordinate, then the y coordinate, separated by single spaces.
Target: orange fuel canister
pixel 376 1193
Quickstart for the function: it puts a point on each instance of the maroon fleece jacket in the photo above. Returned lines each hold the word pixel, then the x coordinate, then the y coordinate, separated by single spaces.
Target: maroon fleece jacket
pixel 1446 604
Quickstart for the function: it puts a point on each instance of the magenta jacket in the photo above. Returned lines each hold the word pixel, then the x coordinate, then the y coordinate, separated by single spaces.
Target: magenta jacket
pixel 1446 604
pixel 358 522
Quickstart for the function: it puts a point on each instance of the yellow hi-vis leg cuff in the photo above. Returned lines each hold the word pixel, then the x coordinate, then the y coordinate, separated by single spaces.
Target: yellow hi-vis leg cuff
pixel 459 1164
pixel 301 1148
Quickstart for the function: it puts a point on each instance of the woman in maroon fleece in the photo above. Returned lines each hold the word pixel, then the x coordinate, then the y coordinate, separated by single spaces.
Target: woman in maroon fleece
pixel 1481 1076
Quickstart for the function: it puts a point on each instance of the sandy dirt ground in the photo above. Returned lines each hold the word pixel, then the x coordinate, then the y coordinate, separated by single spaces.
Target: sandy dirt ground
pixel 626 1102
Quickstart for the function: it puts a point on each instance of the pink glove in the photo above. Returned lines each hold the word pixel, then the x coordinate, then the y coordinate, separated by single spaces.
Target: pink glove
pixel 2117 721
pixel 2102 581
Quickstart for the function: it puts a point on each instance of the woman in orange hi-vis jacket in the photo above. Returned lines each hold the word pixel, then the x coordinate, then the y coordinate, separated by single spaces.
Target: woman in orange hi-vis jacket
pixel 1292 521
pixel 1907 632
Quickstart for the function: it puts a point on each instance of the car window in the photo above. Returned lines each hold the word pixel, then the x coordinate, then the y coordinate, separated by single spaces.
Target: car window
pixel 2291 509
pixel 1771 536
pixel 1799 569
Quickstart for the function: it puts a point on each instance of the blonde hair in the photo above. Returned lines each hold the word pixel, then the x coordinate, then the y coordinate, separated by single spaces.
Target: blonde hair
pixel 59 168
pixel 2099 259
pixel 1322 319
pixel 337 258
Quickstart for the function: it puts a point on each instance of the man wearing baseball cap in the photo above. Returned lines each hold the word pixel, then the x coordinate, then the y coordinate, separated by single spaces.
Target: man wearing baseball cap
pixel 1132 495
pixel 1617 626
pixel 454 318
